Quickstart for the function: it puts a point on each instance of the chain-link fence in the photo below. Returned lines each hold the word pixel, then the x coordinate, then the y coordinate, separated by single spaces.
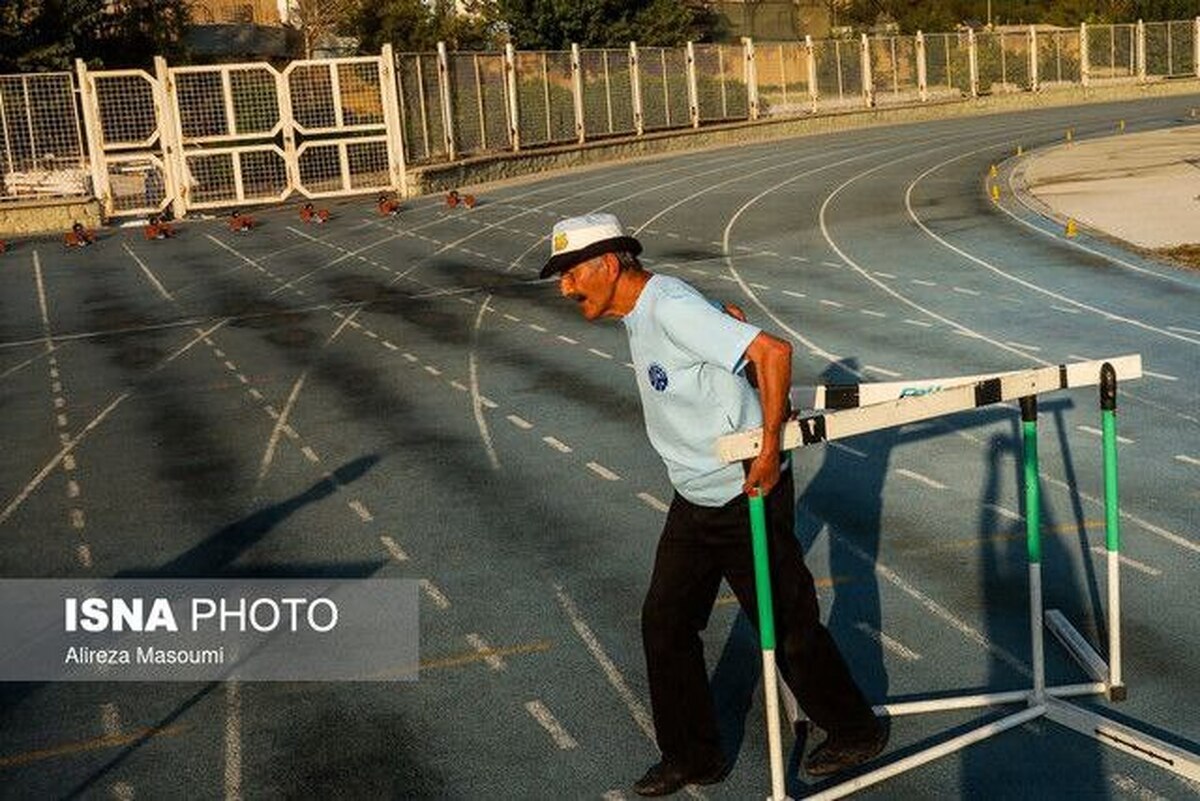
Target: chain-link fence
pixel 42 137
pixel 229 134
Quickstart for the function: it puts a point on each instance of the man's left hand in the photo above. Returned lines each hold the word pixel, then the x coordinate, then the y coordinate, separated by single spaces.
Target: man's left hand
pixel 763 473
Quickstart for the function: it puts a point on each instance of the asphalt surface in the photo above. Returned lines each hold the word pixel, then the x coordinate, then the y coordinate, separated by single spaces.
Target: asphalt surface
pixel 398 397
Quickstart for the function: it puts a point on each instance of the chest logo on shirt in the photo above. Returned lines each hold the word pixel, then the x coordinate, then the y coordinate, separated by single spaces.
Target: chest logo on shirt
pixel 658 377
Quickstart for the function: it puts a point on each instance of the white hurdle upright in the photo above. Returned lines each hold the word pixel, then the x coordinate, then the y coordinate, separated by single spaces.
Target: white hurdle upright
pixel 860 408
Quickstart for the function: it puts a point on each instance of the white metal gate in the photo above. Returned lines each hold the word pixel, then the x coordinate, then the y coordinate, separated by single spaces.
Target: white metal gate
pixel 126 111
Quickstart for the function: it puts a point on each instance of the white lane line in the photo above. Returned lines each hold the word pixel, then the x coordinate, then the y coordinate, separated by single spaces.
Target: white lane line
pixel 831 264
pixel 537 328
pixel 792 294
pixel 512 318
pixel 519 422
pixel 1065 310
pixel 871 313
pixel 1179 330
pixel 1022 346
pixel 408 357
pixel 233 741
pixel 604 355
pixel 390 345
pixel 1179 457
pixel 1140 567
pixel 920 282
pixel 1098 433
pixel 918 323
pixel 1129 786
pixel 926 480
pixel 68 461
pixel 162 290
pixel 429 368
pixel 613 795
pixel 84 554
pixel 371 333
pixel 490 657
pixel 434 594
pixel 364 514
pixel 487 402
pixel 44 307
pixel 698 271
pixel 885 275
pixel 653 502
pixel 548 722
pixel 273 442
pixel 110 720
pixel 1003 511
pixel 640 716
pixel 567 339
pixel 73 488
pixel 77 520
pixel 603 471
pixel 254 393
pixel 310 454
pixel 882 371
pixel 841 446
pixel 761 286
pixel 832 303
pixel 123 791
pixel 889 643
pixel 558 445
pixel 1160 376
pixel 964 291
pixel 392 548
pixel 460 386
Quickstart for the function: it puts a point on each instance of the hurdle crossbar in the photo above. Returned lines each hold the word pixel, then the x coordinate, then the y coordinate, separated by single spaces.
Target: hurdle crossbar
pixel 999 388
pixel 858 409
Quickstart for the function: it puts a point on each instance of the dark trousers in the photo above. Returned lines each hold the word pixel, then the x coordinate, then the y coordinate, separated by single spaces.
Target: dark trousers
pixel 699 546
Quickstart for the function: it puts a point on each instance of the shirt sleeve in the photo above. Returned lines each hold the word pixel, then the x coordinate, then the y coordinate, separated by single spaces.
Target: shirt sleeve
pixel 708 333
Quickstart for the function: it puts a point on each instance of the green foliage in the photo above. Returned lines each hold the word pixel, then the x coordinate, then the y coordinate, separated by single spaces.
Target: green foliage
pixel 555 24
pixel 416 25
pixel 38 35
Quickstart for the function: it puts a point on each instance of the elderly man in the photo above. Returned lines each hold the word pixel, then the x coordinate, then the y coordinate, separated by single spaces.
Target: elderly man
pixel 691 360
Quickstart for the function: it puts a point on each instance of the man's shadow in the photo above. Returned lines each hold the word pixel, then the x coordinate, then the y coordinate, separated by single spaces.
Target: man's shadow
pixel 843 493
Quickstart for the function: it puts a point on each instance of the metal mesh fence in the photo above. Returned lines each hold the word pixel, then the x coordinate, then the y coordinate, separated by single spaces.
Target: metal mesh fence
pixel 721 82
pixel 1169 50
pixel 782 78
pixel 218 102
pixel 894 69
pixel 663 76
pixel 545 97
pixel 607 93
pixel 420 108
pixel 220 177
pixel 1058 58
pixel 947 64
pixel 42 141
pixel 127 113
pixel 839 72
pixel 479 102
pixel 1112 52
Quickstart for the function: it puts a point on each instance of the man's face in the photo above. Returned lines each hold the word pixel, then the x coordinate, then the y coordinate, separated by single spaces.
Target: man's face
pixel 591 284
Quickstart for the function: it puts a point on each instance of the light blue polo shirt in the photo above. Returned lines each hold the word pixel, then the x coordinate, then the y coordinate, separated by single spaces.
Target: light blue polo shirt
pixel 685 355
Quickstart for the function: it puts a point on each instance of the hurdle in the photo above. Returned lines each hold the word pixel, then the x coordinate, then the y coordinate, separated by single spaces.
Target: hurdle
pixel 860 408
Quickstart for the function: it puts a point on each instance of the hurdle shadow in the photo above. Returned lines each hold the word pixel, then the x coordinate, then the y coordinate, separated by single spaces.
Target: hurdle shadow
pixel 845 493
pixel 1069 766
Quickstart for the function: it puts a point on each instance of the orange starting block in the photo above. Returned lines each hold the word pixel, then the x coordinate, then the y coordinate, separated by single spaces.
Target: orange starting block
pixel 308 214
pixel 79 237
pixel 453 199
pixel 157 229
pixel 239 223
pixel 388 205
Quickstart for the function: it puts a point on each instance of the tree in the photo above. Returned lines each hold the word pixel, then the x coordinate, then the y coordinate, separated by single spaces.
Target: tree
pixel 414 25
pixel 555 24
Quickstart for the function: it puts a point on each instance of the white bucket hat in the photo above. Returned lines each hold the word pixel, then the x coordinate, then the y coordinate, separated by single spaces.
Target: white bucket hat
pixel 578 239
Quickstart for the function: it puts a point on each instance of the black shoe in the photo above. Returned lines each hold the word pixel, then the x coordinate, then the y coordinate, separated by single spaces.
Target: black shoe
pixel 664 778
pixel 839 753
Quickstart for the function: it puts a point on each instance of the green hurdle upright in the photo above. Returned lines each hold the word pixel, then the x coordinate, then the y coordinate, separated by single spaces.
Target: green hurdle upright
pixel 766 636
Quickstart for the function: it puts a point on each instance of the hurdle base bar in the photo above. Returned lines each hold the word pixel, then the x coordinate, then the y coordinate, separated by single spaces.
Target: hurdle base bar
pixel 1077 646
pixel 1125 738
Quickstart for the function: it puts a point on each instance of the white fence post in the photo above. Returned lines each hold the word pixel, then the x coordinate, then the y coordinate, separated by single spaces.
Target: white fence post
pixel 444 93
pixel 1196 45
pixel 868 82
pixel 973 62
pixel 922 69
pixel 95 139
pixel 751 77
pixel 514 109
pixel 397 171
pixel 693 92
pixel 1141 51
pixel 635 88
pixel 170 138
pixel 810 56
pixel 577 91
pixel 1085 66
pixel 1034 82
